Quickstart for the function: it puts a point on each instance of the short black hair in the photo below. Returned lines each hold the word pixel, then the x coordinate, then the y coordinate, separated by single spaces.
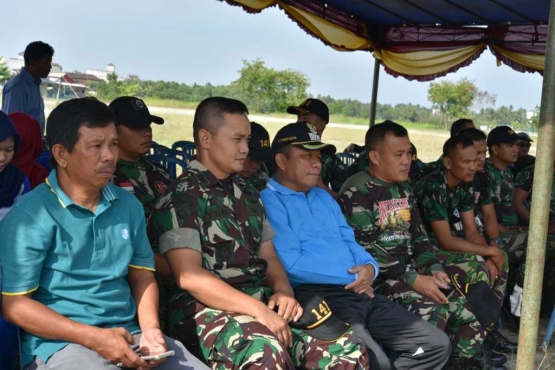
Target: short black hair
pixel 452 143
pixel 376 134
pixel 62 126
pixel 36 51
pixel 210 112
pixel 473 134
pixel 458 125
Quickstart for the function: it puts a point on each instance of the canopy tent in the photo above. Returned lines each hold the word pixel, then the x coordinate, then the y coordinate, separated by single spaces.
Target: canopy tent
pixel 424 39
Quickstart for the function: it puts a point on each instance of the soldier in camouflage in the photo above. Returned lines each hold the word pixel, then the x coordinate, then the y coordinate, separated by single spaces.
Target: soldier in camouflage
pixel 334 172
pixel 142 177
pixel 443 193
pixel 524 160
pixel 522 197
pixel 378 203
pixel 486 222
pixel 233 301
pixel 135 173
pixel 431 167
pixel 255 170
pixel 503 151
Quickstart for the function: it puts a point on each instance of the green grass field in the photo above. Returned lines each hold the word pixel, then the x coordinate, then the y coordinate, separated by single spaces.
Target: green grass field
pixel 428 142
pixel 178 115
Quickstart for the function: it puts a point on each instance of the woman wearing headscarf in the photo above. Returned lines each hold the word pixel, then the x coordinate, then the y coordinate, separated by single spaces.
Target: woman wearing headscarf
pixel 13 184
pixel 30 148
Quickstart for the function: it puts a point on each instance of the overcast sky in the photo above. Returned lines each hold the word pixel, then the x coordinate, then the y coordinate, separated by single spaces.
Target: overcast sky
pixel 205 41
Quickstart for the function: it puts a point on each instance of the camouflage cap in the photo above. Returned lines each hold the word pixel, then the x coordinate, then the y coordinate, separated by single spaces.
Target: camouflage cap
pixel 318 320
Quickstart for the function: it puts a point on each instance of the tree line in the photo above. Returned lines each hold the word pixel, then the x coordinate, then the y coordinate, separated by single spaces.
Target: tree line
pixel 268 90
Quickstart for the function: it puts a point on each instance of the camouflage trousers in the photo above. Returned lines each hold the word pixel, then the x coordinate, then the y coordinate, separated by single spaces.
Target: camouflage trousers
pixel 235 341
pixel 514 244
pixel 455 318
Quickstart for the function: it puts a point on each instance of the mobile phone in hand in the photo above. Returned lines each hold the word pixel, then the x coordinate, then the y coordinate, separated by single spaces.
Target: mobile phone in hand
pixel 158 356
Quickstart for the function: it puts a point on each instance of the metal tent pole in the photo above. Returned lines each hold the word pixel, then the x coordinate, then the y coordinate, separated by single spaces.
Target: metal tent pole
pixel 539 217
pixel 377 64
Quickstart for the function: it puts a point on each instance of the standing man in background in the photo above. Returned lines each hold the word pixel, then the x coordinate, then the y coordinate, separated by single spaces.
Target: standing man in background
pixel 22 92
pixel 334 172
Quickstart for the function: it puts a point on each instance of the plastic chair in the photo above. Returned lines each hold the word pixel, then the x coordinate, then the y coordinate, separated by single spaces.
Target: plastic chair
pixel 347 158
pixel 154 146
pixel 187 147
pixel 172 153
pixel 44 160
pixel 170 162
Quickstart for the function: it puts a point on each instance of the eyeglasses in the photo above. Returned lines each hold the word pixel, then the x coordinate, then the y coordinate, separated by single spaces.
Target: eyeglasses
pixel 522 145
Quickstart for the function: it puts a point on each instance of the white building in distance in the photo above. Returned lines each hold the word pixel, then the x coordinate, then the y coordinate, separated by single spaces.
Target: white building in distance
pixel 100 73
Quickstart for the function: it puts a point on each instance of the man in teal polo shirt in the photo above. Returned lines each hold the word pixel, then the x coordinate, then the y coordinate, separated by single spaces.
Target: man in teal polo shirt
pixel 77 262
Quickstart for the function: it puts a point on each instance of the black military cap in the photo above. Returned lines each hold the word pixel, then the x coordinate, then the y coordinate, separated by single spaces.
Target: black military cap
pixel 318 320
pixel 133 113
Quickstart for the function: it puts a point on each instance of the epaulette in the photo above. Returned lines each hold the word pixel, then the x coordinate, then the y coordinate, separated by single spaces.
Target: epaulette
pixel 202 179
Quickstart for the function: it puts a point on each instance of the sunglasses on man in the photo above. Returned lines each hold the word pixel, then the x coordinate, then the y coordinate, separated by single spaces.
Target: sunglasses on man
pixel 522 145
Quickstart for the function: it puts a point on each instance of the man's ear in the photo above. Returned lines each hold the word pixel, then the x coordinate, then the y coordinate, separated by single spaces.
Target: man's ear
pixel 204 138
pixel 374 157
pixel 495 149
pixel 60 153
pixel 280 161
pixel 447 163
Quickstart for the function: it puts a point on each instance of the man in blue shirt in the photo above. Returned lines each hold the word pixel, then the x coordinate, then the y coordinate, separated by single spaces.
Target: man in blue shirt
pixel 22 92
pixel 320 255
pixel 77 263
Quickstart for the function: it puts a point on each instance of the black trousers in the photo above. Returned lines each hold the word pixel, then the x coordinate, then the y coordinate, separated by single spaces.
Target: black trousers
pixel 379 321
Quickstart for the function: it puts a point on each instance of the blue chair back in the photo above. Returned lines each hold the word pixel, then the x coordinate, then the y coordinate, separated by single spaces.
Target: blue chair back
pixel 170 162
pixel 155 146
pixel 172 153
pixel 44 160
pixel 187 147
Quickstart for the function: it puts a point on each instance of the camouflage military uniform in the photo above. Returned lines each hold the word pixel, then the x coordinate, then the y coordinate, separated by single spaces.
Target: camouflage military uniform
pixel 387 223
pixel 258 180
pixel 480 197
pixel 226 222
pixel 438 203
pixel 334 172
pixel 522 163
pixel 524 180
pixel 500 187
pixel 147 180
pixel 428 168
